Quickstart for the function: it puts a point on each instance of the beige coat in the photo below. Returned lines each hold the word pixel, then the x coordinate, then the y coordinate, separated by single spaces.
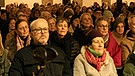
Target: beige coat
pixel 127 46
pixel 83 68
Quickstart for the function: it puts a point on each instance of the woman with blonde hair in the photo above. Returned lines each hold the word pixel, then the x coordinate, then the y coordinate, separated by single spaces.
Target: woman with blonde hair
pixel 86 24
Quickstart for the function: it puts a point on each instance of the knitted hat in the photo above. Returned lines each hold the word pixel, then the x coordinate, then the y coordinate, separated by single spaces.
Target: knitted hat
pixel 91 35
pixel 107 13
pixel 68 12
pixel 74 17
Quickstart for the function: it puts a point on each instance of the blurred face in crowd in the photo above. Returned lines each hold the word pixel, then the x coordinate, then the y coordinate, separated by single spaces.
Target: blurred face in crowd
pixel 120 28
pixel 132 25
pixel 76 22
pixel 52 24
pixel 62 28
pixel 90 11
pixel 86 20
pixel 98 45
pixel 102 26
pixel 4 16
pixel 40 31
pixel 23 29
pixel 45 15
pixel 97 14
pixel 12 24
pixel 84 9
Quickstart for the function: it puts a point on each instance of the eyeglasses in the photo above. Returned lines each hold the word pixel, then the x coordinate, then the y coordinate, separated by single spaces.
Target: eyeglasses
pixel 41 30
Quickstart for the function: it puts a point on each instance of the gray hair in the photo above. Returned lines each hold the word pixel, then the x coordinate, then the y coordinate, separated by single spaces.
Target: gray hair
pixel 35 22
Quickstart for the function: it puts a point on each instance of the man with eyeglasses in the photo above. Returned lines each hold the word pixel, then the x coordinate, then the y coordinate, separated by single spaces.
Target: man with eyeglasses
pixel 40 58
pixel 110 43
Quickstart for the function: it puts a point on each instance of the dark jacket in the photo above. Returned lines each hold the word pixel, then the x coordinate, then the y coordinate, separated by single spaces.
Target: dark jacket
pixel 24 64
pixel 129 67
pixel 68 44
pixel 80 36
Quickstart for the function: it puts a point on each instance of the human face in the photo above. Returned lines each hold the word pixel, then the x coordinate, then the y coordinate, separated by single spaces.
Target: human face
pixel 132 25
pixel 40 33
pixel 98 45
pixel 90 11
pixel 98 14
pixel 62 28
pixel 86 21
pixel 120 28
pixel 12 24
pixel 23 29
pixel 52 24
pixel 103 27
pixel 76 22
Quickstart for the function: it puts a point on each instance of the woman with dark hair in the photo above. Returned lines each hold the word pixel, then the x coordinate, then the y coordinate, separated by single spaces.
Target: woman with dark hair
pixel 11 24
pixel 17 39
pixel 35 14
pixel 119 31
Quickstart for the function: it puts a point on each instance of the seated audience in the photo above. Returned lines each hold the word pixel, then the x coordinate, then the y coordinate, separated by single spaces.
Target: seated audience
pixel 31 60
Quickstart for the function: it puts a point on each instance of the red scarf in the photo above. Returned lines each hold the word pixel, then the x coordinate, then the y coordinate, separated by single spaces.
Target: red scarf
pixel 96 62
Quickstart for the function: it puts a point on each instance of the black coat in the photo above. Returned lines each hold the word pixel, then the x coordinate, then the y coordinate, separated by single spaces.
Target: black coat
pixel 24 64
pixel 68 44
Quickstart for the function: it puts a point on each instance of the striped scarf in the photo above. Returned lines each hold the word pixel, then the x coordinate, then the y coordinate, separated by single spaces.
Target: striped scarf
pixel 20 42
pixel 96 62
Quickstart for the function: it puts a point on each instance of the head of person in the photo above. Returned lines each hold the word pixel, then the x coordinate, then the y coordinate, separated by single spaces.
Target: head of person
pixel 95 41
pixel 45 15
pixel 39 31
pixel 119 27
pixel 23 17
pixel 22 28
pixel 84 8
pixel 68 13
pixel 12 23
pixel 3 14
pixel 89 10
pixel 62 27
pixel 75 20
pixel 52 24
pixel 77 9
pixel 86 20
pixel 97 13
pixel 101 24
pixel 109 15
pixel 36 13
pixel 131 24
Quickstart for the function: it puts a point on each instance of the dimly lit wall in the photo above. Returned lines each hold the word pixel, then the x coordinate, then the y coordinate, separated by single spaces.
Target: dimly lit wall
pixel 30 2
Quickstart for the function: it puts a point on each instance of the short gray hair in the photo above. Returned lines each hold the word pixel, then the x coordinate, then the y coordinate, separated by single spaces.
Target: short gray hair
pixel 35 22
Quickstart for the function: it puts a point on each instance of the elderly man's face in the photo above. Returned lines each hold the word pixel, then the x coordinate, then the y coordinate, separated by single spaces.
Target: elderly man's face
pixel 40 33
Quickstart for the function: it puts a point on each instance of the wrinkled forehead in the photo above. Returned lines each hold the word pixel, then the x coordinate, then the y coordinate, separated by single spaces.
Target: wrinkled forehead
pixel 39 24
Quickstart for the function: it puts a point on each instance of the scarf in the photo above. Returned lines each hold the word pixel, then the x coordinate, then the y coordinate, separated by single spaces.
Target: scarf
pixel 96 62
pixel 20 42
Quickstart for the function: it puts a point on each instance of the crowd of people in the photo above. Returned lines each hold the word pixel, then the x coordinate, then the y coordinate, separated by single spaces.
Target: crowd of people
pixel 67 40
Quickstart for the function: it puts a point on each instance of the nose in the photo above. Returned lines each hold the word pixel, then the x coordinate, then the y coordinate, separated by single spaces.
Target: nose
pixel 104 27
pixel 100 44
pixel 24 29
pixel 42 31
